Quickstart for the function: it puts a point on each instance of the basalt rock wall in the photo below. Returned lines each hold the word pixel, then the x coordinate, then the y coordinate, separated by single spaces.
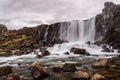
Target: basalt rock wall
pixel 108 25
pixel 23 41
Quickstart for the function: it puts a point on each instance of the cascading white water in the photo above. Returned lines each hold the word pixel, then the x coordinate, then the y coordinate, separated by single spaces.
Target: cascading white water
pixel 77 33
pixel 78 30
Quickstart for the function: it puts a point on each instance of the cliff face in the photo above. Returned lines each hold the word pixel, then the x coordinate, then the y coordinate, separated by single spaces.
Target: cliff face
pixel 23 41
pixel 108 25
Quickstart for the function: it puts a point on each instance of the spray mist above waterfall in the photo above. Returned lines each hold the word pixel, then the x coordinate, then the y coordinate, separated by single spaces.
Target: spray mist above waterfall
pixel 83 30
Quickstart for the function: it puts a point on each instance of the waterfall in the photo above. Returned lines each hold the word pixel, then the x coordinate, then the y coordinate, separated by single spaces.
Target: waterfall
pixel 78 30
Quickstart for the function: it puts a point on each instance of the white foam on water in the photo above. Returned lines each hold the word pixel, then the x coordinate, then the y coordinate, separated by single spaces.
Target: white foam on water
pixel 65 47
pixel 12 58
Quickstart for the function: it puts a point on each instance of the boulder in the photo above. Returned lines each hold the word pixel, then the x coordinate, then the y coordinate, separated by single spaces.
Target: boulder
pixel 38 71
pixel 106 50
pixel 38 56
pixel 98 43
pixel 97 77
pixel 88 42
pixel 118 51
pixel 5 70
pixel 69 67
pixel 66 53
pixel 84 68
pixel 103 62
pixel 79 75
pixel 45 53
pixel 12 77
pixel 57 68
pixel 104 46
pixel 79 51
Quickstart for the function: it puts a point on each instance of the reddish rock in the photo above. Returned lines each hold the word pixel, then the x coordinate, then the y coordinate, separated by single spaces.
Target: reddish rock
pixel 78 75
pixel 103 62
pixel 97 77
pixel 38 71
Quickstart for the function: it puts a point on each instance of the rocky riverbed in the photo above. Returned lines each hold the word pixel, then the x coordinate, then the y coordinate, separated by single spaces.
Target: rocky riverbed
pixel 65 69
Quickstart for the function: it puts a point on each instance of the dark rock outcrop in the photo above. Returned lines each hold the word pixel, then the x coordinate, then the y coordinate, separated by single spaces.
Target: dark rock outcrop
pixel 57 68
pixel 79 51
pixel 3 29
pixel 66 53
pixel 69 67
pixel 45 53
pixel 24 41
pixel 5 70
pixel 108 25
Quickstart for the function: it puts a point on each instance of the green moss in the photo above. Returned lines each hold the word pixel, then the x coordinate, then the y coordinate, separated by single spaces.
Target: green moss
pixel 24 37
pixel 1 50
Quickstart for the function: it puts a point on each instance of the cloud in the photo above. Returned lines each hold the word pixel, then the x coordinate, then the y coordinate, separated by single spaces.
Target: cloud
pixel 19 13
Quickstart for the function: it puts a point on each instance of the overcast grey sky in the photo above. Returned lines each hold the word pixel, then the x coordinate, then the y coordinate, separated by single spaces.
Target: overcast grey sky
pixel 19 13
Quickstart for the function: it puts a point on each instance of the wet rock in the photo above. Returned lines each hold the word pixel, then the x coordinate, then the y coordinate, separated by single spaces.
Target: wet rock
pixel 104 46
pixel 38 71
pixel 87 53
pixel 79 51
pixel 97 77
pixel 112 66
pixel 66 53
pixel 103 62
pixel 106 50
pixel 72 49
pixel 98 43
pixel 45 53
pixel 12 77
pixel 5 70
pixel 118 51
pixel 69 67
pixel 84 68
pixel 78 75
pixel 57 68
pixel 89 43
pixel 38 56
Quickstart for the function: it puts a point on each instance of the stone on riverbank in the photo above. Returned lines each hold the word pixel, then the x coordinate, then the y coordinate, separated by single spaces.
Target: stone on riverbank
pixel 5 70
